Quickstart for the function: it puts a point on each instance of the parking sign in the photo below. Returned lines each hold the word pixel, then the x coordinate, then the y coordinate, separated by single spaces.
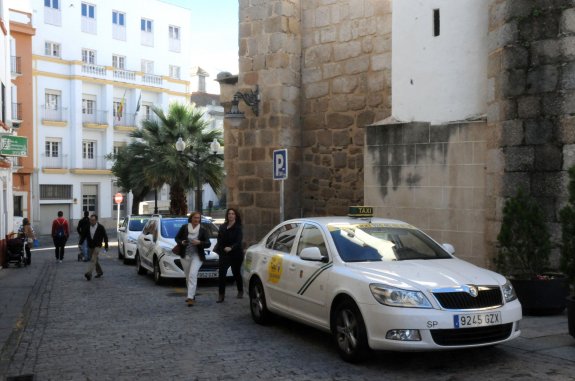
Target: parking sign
pixel 280 164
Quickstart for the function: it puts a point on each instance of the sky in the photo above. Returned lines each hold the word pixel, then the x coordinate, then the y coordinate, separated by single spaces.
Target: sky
pixel 214 36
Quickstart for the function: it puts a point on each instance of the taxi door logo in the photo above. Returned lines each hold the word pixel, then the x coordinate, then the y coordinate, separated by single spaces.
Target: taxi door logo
pixel 275 269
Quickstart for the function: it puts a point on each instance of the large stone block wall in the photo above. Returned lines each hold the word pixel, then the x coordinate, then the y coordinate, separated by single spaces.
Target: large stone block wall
pixel 269 57
pixel 531 103
pixel 432 176
pixel 346 84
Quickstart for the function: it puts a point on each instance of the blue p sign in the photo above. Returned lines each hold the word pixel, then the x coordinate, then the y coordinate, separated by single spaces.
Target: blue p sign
pixel 280 164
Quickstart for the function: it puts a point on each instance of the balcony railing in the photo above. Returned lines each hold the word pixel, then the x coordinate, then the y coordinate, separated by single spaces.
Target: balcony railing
pixel 52 16
pixel 98 162
pixel 92 69
pixel 147 38
pixel 152 79
pixel 119 32
pixel 96 117
pixel 17 111
pixel 126 75
pixel 126 119
pixel 57 162
pixel 89 25
pixel 57 114
pixel 16 65
pixel 174 45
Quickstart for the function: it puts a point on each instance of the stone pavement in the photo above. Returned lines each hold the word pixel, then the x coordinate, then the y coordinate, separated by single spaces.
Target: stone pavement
pixel 56 326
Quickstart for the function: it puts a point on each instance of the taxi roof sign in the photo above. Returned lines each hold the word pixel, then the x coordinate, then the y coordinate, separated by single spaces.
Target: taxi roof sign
pixel 360 211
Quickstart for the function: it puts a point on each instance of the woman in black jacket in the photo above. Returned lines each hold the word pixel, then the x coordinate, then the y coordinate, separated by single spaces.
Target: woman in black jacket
pixel 192 239
pixel 229 248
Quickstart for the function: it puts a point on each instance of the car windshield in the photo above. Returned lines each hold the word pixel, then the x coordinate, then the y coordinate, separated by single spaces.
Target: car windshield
pixel 383 242
pixel 170 227
pixel 137 224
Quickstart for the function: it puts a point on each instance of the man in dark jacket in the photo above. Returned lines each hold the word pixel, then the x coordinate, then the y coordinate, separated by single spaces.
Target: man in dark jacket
pixel 83 228
pixel 95 235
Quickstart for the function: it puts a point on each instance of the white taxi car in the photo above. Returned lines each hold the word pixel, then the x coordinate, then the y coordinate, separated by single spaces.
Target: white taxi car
pixel 377 284
pixel 128 231
pixel 154 249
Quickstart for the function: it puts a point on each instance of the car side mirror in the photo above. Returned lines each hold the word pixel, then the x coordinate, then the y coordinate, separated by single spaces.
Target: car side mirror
pixel 449 248
pixel 312 254
pixel 122 229
pixel 149 237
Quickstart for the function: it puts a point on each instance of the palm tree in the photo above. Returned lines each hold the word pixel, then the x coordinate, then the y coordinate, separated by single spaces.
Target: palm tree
pixel 154 160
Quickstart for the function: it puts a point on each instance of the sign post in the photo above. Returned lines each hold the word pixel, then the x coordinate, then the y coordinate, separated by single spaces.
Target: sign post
pixel 280 158
pixel 118 198
pixel 13 145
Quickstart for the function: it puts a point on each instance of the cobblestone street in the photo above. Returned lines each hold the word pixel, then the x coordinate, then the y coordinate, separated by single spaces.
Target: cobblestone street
pixel 123 327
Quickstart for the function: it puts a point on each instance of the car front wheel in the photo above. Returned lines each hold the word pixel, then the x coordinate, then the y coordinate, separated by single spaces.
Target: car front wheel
pixel 120 254
pixel 157 274
pixel 141 270
pixel 349 332
pixel 258 306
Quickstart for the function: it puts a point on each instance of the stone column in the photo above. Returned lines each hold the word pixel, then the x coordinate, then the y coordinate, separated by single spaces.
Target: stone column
pixel 530 99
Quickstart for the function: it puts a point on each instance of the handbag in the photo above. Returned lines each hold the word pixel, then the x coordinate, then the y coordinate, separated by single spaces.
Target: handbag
pixel 176 249
pixel 217 248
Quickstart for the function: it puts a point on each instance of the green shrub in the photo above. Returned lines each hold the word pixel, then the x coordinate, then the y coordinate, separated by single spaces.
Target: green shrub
pixel 524 240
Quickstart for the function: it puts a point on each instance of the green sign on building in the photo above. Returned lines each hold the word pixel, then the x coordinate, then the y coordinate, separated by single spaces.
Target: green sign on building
pixel 13 145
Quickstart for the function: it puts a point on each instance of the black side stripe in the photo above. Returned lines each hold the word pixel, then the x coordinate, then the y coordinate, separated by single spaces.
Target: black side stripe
pixel 313 277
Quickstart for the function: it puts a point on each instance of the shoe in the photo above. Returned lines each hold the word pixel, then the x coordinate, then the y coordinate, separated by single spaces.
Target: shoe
pixel 240 294
pixel 99 275
pixel 190 302
pixel 60 261
pixel 220 298
pixel 88 276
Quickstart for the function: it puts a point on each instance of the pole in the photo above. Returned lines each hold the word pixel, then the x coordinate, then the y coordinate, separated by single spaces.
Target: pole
pixel 118 220
pixel 155 200
pixel 281 200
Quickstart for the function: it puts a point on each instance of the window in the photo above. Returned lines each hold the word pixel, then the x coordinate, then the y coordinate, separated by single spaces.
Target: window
pixel 88 18
pixel 88 10
pixel 119 62
pixel 436 23
pixel 89 56
pixel 55 192
pixel 147 67
pixel 175 71
pixel 147 107
pixel 90 198
pixel 311 237
pixel 88 106
pixel 88 148
pixel 52 49
pixel 52 148
pixel 54 4
pixel 146 25
pixel 52 99
pixel 118 18
pixel 283 238
pixel 174 32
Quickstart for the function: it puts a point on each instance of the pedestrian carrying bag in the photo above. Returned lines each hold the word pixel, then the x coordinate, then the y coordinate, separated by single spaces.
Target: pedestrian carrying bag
pixel 60 230
pixel 176 249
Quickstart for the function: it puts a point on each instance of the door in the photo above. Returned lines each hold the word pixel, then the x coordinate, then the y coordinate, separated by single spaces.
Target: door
pixel 307 280
pixel 48 212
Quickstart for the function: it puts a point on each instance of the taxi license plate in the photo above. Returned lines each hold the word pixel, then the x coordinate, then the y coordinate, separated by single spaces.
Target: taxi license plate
pixel 477 320
pixel 207 274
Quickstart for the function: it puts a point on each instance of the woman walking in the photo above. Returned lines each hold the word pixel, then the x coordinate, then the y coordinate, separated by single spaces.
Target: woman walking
pixel 29 236
pixel 229 248
pixel 192 239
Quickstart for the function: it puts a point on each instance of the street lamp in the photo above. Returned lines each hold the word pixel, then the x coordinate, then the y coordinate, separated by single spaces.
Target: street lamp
pixel 198 161
pixel 251 98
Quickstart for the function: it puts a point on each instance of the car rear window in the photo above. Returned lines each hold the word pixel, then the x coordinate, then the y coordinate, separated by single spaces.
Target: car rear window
pixel 170 227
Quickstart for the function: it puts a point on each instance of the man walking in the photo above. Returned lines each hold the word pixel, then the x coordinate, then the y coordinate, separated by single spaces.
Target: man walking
pixel 83 229
pixel 60 234
pixel 95 236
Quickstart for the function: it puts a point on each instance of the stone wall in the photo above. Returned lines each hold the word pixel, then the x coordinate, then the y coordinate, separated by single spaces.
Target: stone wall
pixel 431 176
pixel 531 103
pixel 346 84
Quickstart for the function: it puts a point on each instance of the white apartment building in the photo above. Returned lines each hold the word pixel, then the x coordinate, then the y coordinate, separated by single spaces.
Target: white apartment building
pixel 99 67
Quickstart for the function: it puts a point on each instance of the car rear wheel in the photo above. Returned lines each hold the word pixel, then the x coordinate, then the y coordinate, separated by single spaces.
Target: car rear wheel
pixel 139 268
pixel 258 306
pixel 157 274
pixel 349 332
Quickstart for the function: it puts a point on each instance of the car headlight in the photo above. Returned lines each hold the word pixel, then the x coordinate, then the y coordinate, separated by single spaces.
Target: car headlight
pixel 132 240
pixel 396 297
pixel 508 292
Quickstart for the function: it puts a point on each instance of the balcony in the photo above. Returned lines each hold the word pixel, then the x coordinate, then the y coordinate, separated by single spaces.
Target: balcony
pixel 95 119
pixel 125 75
pixel 147 38
pixel 152 79
pixel 98 162
pixel 50 162
pixel 16 65
pixel 95 70
pixel 174 45
pixel 119 32
pixel 52 16
pixel 125 120
pixel 89 25
pixel 54 114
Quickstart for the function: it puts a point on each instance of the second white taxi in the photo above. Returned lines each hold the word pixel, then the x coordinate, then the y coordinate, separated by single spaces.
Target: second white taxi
pixel 377 284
